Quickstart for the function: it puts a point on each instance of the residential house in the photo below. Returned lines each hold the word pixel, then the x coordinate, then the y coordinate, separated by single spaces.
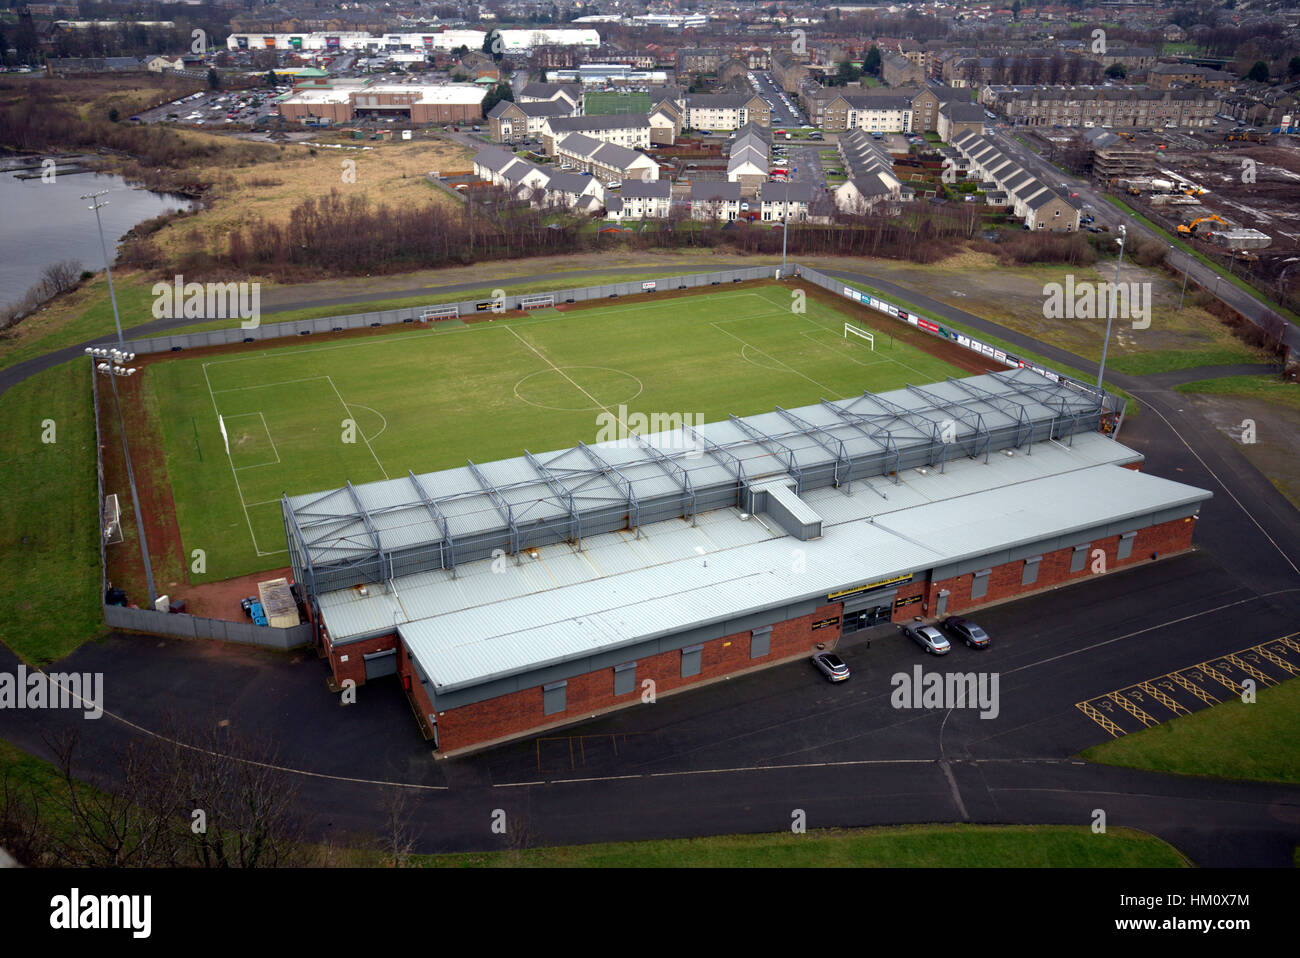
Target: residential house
pixel 726 111
pixel 716 200
pixel 606 161
pixel 631 130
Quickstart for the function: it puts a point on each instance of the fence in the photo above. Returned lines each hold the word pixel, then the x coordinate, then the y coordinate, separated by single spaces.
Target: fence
pixel 198 627
pixel 997 354
pixel 412 314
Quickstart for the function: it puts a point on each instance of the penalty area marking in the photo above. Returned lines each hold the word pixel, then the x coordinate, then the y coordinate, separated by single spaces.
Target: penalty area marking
pixel 234 473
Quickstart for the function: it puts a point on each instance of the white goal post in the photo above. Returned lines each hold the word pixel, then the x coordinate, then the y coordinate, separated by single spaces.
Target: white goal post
pixel 860 332
pixel 112 520
pixel 537 301
pixel 433 314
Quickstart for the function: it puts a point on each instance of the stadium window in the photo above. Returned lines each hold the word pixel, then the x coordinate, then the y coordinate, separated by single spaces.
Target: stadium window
pixel 553 698
pixel 979 586
pixel 691 657
pixel 1030 575
pixel 760 642
pixel 624 678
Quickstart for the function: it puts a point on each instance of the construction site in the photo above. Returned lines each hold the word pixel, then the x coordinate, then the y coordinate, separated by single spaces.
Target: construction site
pixel 1229 193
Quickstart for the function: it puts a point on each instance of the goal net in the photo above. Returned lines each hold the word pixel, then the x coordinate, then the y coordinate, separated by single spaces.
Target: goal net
pixel 537 301
pixel 112 520
pixel 433 314
pixel 851 330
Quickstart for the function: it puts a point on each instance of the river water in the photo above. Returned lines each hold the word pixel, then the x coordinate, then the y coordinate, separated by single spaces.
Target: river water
pixel 43 223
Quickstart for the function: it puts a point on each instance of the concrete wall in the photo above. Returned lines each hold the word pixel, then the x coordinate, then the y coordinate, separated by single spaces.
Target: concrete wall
pixel 198 627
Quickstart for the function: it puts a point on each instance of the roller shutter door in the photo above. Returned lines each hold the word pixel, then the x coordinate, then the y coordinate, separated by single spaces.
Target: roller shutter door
pixel 379 664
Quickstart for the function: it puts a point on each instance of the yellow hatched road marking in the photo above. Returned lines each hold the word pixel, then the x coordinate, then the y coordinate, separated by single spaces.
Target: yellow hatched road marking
pixel 1276 659
pixel 1195 689
pixel 1132 709
pixel 1219 677
pixel 1087 709
pixel 1250 670
pixel 1172 704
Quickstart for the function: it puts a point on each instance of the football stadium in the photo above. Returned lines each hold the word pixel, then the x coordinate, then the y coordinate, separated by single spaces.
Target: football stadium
pixel 530 514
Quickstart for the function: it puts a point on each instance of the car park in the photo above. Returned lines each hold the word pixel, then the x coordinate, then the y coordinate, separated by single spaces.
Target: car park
pixel 831 666
pixel 967 631
pixel 928 638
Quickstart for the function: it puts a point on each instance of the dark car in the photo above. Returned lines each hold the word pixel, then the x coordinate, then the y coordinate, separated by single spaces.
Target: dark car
pixel 967 631
pixel 831 666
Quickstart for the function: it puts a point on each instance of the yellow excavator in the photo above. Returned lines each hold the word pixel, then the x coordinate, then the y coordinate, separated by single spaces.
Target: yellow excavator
pixel 1190 228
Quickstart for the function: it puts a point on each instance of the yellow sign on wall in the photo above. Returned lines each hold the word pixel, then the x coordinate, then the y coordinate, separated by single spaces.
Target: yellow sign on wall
pixel 867 587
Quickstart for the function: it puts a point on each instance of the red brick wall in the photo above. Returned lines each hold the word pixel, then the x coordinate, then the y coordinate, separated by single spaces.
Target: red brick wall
pixel 586 694
pixel 1004 580
pixel 355 666
pixel 902 613
pixel 522 711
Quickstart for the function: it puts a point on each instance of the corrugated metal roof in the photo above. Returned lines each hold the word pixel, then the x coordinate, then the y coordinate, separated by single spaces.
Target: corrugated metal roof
pixel 336 528
pixel 622 588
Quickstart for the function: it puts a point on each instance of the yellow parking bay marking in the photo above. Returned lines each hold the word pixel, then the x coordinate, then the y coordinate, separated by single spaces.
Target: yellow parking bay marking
pixel 1250 670
pixel 1172 704
pixel 1195 689
pixel 1195 680
pixel 1087 709
pixel 1131 708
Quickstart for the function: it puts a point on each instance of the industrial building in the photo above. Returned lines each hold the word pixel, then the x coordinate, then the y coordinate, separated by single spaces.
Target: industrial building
pixel 416 103
pixel 512 41
pixel 524 594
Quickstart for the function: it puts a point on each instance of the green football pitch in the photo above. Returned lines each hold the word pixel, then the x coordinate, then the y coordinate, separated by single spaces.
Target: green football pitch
pixel 311 416
pixel 596 104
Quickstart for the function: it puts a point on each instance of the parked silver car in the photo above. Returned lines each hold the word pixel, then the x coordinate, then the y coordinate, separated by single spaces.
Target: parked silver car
pixel 831 666
pixel 928 638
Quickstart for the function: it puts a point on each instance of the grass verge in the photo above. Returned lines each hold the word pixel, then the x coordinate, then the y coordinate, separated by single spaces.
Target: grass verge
pixel 1267 388
pixel 907 846
pixel 49 551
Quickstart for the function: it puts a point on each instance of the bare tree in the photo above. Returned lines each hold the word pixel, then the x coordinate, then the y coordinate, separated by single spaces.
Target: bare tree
pixel 108 827
pixel 61 277
pixel 398 840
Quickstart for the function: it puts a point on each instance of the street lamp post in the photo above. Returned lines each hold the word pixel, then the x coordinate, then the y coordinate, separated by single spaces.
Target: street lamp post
pixel 96 205
pixel 113 368
pixel 1101 370
pixel 785 230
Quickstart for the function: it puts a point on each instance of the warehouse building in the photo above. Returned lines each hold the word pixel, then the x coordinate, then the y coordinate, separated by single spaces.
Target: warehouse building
pixel 416 103
pixel 533 592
